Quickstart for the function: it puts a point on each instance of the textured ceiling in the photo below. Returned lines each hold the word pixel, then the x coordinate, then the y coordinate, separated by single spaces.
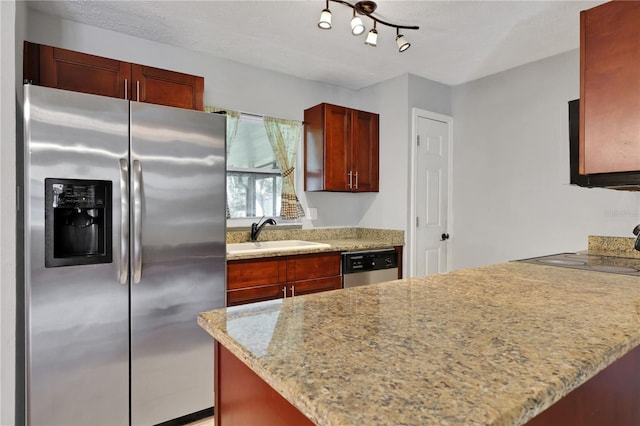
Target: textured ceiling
pixel 458 41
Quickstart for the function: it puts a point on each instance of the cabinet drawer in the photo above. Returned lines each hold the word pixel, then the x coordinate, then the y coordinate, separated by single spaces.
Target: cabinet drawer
pixel 254 294
pixel 304 267
pixel 298 288
pixel 255 272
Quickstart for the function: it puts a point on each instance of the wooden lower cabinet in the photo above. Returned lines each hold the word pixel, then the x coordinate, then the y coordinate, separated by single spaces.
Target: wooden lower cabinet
pixel 612 397
pixel 242 398
pixel 256 280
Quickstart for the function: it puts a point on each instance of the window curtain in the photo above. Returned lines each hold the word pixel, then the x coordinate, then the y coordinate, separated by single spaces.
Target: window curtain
pixel 284 136
pixel 233 120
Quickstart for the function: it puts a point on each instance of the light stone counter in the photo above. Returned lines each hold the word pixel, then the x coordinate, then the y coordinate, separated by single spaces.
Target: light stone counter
pixel 339 239
pixel 492 345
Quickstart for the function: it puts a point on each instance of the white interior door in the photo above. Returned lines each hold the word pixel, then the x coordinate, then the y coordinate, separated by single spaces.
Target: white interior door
pixel 431 194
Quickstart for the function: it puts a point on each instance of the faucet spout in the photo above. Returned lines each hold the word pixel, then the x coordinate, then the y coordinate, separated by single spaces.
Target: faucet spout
pixel 636 231
pixel 256 228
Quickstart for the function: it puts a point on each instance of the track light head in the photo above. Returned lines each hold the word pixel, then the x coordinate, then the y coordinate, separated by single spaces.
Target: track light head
pixel 401 42
pixel 325 20
pixel 357 27
pixel 372 37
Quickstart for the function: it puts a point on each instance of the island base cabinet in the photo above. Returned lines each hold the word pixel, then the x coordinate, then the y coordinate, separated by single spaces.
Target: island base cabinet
pixel 611 397
pixel 243 398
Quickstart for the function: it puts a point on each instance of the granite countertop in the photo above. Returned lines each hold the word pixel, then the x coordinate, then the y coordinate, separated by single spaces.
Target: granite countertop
pixel 492 345
pixel 338 239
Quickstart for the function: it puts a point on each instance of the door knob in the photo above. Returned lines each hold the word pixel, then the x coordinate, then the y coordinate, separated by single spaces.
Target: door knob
pixel 444 237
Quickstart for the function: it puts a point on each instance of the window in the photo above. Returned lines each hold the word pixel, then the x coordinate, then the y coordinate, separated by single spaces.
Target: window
pixel 254 181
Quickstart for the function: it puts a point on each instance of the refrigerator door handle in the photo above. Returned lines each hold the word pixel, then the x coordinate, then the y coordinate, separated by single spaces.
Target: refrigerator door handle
pixel 123 273
pixel 137 221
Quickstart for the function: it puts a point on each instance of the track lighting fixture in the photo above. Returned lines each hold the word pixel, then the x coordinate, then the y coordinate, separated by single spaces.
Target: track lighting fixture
pixel 365 8
pixel 357 27
pixel 401 42
pixel 325 18
pixel 372 37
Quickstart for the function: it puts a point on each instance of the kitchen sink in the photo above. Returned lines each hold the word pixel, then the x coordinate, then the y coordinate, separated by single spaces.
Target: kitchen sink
pixel 272 246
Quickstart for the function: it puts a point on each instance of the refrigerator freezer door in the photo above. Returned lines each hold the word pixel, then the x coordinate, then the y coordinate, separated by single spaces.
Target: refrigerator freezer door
pixel 178 159
pixel 77 344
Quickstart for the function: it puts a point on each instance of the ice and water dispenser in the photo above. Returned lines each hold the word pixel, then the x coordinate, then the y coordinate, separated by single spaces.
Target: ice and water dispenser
pixel 77 222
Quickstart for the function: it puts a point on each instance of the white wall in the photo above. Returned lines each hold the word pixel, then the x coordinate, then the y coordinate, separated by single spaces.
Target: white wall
pixel 511 169
pixel 7 180
pixel 228 84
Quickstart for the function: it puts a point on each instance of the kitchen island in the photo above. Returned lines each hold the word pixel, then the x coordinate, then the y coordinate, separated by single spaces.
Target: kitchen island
pixel 492 345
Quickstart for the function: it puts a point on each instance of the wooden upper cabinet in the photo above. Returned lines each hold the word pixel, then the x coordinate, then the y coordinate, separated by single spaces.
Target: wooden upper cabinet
pixel 80 72
pixel 158 86
pixel 610 88
pixel 341 149
pixel 365 151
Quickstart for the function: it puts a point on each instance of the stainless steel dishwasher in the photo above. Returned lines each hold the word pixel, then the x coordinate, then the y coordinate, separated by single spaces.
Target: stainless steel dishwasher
pixel 369 267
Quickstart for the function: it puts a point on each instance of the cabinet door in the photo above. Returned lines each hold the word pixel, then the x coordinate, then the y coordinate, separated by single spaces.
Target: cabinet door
pixel 158 86
pixel 255 280
pixel 337 150
pixel 365 151
pixel 298 288
pixel 610 87
pixel 80 72
pixel 311 266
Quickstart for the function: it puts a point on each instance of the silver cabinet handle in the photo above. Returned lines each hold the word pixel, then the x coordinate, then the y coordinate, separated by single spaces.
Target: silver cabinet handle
pixel 284 292
pixel 293 291
pixel 356 180
pixel 138 90
pixel 350 179
pixel 125 89
pixel 123 270
pixel 137 221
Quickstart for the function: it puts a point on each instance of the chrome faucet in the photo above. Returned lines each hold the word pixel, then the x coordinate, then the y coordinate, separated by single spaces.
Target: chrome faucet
pixel 256 228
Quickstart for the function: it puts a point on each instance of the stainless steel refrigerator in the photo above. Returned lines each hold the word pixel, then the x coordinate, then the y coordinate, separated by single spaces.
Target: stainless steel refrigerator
pixel 124 245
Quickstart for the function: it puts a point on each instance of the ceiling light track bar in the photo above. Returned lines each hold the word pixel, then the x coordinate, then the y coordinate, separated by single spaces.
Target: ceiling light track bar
pixel 360 8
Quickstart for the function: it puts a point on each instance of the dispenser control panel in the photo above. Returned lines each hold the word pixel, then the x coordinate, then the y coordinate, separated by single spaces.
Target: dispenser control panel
pixel 80 196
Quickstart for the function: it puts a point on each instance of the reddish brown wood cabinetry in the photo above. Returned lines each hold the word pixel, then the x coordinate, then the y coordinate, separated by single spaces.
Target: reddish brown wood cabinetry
pixel 158 86
pixel 610 88
pixel 255 280
pixel 80 72
pixel 341 149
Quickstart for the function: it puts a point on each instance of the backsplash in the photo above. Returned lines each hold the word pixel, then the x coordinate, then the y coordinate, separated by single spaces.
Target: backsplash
pixel 394 237
pixel 613 246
